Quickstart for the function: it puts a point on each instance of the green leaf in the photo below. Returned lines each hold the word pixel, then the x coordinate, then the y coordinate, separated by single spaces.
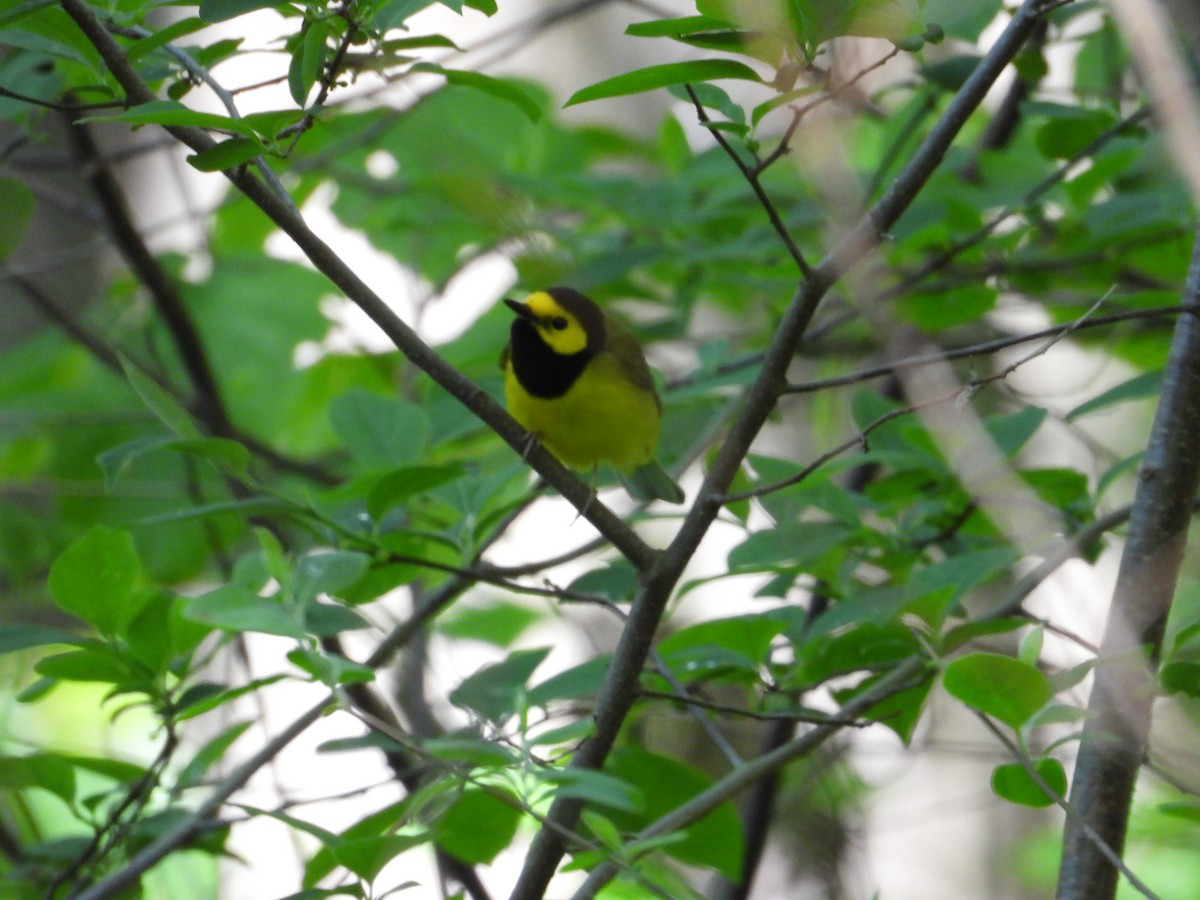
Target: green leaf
pixel 206 697
pixel 1140 387
pixel 14 638
pixel 171 113
pixel 392 13
pixel 596 787
pixel 497 691
pixel 247 508
pixel 326 572
pixel 233 608
pixel 477 826
pixel 308 62
pixel 379 430
pixel 1115 471
pixel 112 769
pixel 21 10
pixel 221 10
pixel 479 753
pixel 711 97
pixel 1029 649
pixel 228 154
pixel 208 755
pixel 95 579
pixel 48 771
pixel 661 76
pixel 934 312
pixel 900 712
pixel 17 202
pixel 163 36
pixel 950 74
pixel 366 857
pixel 583 680
pixel 616 581
pixel 330 668
pixel 418 42
pixel 1014 783
pixel 402 484
pixel 790 543
pixel 227 455
pixel 326 619
pixel 163 405
pixel 999 686
pixel 1011 432
pixel 373 825
pixel 502 89
pixel 736 645
pixel 91 663
pixel 1067 134
pixel 495 623
pixel 714 841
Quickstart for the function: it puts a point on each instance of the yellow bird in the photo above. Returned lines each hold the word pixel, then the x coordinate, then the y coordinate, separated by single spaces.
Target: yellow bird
pixel 577 379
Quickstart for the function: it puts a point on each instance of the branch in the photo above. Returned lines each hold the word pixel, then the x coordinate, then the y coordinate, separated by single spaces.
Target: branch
pixel 164 292
pixel 1031 196
pixel 1117 733
pixel 619 688
pixel 323 257
pixel 751 175
pixel 1072 814
pixel 966 391
pixel 899 679
pixel 181 834
pixel 107 356
pixel 61 107
pixel 985 347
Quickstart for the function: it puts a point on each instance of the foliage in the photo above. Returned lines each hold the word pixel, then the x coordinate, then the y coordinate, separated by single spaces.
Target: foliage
pixel 194 466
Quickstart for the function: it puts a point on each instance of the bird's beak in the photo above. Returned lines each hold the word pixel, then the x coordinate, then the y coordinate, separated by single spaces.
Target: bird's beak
pixel 519 308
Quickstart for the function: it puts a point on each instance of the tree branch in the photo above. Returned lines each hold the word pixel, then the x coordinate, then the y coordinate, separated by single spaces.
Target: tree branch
pixel 900 678
pixel 323 257
pixel 181 834
pixel 619 688
pixel 1118 725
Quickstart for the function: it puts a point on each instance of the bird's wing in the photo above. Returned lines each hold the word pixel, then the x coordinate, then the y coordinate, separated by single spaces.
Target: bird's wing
pixel 622 344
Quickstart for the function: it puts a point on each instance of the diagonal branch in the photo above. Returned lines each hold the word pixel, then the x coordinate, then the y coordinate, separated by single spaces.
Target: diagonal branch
pixel 164 292
pixel 620 686
pixel 751 174
pixel 182 833
pixel 1119 709
pixel 323 257
pixel 906 674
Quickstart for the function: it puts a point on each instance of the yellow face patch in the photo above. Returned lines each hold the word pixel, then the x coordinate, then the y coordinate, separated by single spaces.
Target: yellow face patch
pixel 557 327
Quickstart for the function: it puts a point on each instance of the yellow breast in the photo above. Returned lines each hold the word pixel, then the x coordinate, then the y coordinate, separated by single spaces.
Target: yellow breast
pixel 603 417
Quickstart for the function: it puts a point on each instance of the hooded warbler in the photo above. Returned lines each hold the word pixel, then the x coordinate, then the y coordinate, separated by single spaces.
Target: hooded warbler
pixel 577 379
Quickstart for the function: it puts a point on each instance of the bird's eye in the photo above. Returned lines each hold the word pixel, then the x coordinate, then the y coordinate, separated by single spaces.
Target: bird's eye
pixel 558 323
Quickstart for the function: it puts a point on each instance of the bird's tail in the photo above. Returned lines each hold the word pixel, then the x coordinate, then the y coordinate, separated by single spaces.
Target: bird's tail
pixel 651 482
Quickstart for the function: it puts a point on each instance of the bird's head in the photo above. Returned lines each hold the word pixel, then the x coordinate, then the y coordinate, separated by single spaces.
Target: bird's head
pixel 565 320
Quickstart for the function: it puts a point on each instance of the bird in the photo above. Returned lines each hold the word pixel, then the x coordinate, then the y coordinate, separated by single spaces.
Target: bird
pixel 577 379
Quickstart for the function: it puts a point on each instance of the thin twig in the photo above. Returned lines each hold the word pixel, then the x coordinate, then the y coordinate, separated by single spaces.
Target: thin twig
pixel 1071 813
pixel 202 74
pixel 620 685
pixel 904 676
pixel 799 112
pixel 985 347
pixel 966 392
pixel 1030 197
pixel 60 107
pixel 182 833
pixel 323 257
pixel 751 176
